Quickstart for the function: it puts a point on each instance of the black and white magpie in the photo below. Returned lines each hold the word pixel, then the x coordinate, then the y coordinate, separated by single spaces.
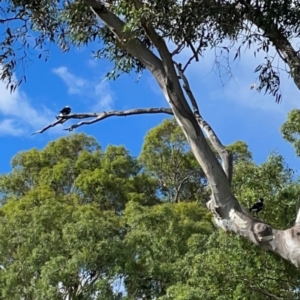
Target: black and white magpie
pixel 257 206
pixel 65 111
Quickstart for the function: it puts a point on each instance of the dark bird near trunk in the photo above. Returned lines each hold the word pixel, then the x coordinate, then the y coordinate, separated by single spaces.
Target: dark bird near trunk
pixel 257 206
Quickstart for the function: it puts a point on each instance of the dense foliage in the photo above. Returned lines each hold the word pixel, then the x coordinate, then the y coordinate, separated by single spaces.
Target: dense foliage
pixel 78 222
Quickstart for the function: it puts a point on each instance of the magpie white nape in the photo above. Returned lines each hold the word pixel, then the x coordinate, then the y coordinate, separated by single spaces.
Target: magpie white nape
pixel 257 206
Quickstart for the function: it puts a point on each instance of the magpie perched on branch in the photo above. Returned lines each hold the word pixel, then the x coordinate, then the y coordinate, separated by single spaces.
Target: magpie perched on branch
pixel 257 206
pixel 65 111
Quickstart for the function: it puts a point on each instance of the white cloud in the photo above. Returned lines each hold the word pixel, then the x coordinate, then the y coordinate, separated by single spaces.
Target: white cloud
pixel 10 127
pixel 92 63
pixel 103 93
pixel 18 115
pixel 238 90
pixel 75 84
pixel 98 92
pixel 232 79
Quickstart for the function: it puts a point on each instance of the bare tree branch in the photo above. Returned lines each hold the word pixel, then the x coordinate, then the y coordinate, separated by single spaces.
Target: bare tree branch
pixel 15 18
pixel 103 115
pixel 59 121
pixel 266 293
pixel 178 188
pixel 195 53
pixel 188 62
pixel 178 49
pixel 195 56
pixel 226 156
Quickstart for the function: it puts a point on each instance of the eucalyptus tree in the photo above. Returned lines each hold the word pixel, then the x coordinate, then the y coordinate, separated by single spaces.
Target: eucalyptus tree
pixel 136 35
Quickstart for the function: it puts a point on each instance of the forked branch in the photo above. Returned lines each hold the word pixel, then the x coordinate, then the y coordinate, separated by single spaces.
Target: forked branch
pixel 225 155
pixel 103 115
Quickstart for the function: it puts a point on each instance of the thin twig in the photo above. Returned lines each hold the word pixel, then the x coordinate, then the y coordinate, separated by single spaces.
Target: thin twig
pixel 195 52
pixel 60 121
pixel 178 49
pixel 11 19
pixel 178 189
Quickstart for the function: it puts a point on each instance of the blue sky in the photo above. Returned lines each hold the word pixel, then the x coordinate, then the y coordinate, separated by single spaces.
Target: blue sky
pixel 234 110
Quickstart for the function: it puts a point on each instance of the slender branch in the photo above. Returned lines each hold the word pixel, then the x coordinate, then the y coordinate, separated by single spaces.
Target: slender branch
pixel 103 115
pixel 226 156
pixel 11 19
pixel 188 62
pixel 178 49
pixel 266 293
pixel 178 189
pixel 195 53
pixel 186 87
pixel 59 121
pixel 192 57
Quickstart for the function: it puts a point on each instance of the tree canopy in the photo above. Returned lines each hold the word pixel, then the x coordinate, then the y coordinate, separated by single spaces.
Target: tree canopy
pixel 107 230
